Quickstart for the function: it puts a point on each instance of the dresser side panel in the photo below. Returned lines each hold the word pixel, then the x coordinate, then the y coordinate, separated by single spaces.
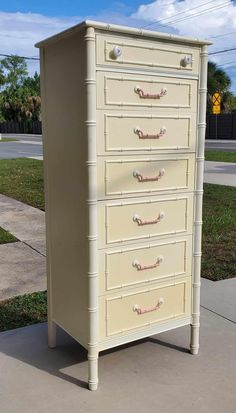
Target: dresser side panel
pixel 66 183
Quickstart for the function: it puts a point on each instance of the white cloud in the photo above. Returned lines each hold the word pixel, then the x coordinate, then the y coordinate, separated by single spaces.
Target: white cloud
pixel 20 31
pixel 207 25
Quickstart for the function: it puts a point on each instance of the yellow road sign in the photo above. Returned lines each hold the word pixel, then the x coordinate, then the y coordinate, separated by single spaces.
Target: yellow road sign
pixel 216 109
pixel 216 98
pixel 216 101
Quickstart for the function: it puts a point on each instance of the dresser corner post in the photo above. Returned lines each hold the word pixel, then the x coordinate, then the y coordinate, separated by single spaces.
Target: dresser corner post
pixel 90 124
pixel 197 241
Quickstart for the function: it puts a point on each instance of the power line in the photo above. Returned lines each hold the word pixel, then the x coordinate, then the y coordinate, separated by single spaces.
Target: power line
pixel 219 6
pixel 227 63
pixel 222 35
pixel 23 57
pixel 222 51
pixel 174 15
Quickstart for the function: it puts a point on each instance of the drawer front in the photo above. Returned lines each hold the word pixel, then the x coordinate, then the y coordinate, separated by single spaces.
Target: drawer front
pixel 123 52
pixel 134 132
pixel 137 309
pixel 147 218
pixel 147 263
pixel 116 90
pixel 126 176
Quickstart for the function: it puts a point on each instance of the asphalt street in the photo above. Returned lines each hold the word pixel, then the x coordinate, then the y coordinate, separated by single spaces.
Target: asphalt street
pixel 221 145
pixel 24 148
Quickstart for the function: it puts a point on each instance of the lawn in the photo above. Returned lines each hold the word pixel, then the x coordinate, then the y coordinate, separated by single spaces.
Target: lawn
pixel 22 179
pixel 6 237
pixel 8 140
pixel 23 310
pixel 220 156
pixel 219 232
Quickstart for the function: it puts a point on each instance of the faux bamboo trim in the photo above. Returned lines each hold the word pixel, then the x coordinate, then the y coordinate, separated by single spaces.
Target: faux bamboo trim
pixel 90 124
pixel 198 195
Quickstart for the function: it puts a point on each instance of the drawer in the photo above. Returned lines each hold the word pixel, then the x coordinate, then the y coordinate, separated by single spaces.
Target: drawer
pixel 119 176
pixel 147 218
pixel 143 132
pixel 120 268
pixel 139 308
pixel 125 90
pixel 128 52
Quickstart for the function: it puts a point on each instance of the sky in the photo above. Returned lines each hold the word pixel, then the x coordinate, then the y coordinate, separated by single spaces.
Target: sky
pixel 25 22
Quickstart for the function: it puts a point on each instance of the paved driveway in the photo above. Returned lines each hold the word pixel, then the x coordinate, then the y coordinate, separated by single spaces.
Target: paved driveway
pixel 221 173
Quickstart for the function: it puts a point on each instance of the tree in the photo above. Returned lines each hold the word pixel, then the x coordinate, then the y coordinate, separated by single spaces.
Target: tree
pixel 219 81
pixel 32 85
pixel 15 71
pixel 20 96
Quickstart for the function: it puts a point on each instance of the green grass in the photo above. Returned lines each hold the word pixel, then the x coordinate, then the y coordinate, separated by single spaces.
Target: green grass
pixel 6 237
pixel 22 179
pixel 220 156
pixel 8 140
pixel 219 232
pixel 23 310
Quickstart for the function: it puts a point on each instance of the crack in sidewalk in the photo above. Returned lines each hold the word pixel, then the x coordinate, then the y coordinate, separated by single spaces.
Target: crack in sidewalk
pixel 220 315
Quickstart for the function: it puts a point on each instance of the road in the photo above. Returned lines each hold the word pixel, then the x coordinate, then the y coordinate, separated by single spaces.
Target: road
pixel 24 148
pixel 221 145
pixel 220 173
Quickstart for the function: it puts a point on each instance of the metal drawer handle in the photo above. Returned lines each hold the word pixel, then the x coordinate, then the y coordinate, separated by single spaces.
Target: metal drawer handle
pixel 140 267
pixel 142 178
pixel 139 310
pixel 141 135
pixel 140 221
pixel 143 95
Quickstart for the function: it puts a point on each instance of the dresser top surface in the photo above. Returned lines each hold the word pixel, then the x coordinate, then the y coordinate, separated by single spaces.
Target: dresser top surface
pixel 125 30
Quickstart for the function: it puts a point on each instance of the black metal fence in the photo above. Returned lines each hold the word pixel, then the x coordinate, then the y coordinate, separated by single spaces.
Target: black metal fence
pixel 218 127
pixel 221 126
pixel 34 127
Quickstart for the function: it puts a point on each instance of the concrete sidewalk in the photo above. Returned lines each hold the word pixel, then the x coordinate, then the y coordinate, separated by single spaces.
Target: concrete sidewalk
pixel 22 264
pixel 157 374
pixel 220 173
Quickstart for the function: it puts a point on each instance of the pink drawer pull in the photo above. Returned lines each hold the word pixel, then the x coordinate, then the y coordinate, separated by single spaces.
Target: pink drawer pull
pixel 139 310
pixel 141 135
pixel 143 95
pixel 142 178
pixel 140 221
pixel 140 267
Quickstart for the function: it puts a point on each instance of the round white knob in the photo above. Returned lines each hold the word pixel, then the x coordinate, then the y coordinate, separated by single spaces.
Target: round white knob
pixel 163 130
pixel 162 172
pixel 116 52
pixel 161 300
pixel 162 215
pixel 187 60
pixel 160 259
pixel 135 263
pixel 135 217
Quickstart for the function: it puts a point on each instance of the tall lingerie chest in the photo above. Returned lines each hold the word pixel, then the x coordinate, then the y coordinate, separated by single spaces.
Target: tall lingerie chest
pixel 123 133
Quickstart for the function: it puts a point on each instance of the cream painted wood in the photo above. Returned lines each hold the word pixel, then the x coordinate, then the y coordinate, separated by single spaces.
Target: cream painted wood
pixel 118 221
pixel 121 176
pixel 119 132
pixel 128 267
pixel 123 251
pixel 170 300
pixel 146 54
pixel 120 90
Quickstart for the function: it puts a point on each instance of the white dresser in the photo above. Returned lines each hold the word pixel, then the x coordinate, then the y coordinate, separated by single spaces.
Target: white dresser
pixel 123 132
